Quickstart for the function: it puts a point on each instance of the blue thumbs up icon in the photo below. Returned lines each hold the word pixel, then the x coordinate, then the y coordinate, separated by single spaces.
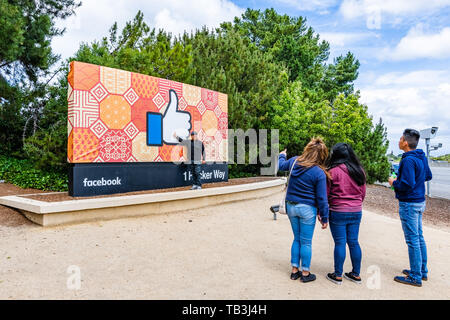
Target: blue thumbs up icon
pixel 160 128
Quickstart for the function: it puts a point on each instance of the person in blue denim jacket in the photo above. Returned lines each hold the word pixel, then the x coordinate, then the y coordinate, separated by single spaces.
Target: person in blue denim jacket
pixel 409 189
pixel 306 199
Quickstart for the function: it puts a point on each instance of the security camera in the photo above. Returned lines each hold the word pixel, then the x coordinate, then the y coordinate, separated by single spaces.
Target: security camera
pixel 438 145
pixel 428 133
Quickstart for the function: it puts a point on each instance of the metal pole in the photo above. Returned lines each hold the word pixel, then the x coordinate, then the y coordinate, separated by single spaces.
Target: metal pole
pixel 427 141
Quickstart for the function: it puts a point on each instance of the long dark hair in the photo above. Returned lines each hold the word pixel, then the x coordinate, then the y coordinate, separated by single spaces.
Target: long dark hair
pixel 343 153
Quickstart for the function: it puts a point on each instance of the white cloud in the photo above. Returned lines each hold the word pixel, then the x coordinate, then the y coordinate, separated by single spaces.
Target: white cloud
pixel 94 18
pixel 418 99
pixel 373 10
pixel 418 44
pixel 310 5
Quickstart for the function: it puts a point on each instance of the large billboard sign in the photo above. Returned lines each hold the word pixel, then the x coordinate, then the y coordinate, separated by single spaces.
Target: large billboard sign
pixel 119 117
pixel 122 116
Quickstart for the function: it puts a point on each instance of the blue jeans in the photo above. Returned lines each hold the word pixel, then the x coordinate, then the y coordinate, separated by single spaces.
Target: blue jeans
pixel 345 230
pixel 303 221
pixel 196 169
pixel 411 218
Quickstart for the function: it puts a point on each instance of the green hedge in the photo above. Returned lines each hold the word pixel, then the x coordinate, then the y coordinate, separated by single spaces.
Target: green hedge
pixel 22 173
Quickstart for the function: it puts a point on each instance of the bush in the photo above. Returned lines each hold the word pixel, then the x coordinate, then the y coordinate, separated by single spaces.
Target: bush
pixel 22 173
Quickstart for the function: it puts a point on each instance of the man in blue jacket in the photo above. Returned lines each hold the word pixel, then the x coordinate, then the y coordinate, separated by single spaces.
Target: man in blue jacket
pixel 410 191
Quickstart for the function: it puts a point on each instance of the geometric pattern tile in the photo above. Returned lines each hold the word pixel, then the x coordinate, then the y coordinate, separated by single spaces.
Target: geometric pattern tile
pixel 217 111
pixel 192 94
pixel 196 118
pixel 115 112
pixel 98 159
pixel 87 76
pixel 131 131
pixel 99 128
pixel 99 92
pixel 83 109
pixel 69 127
pixel 132 159
pixel 141 151
pixel 115 146
pixel 131 96
pixel 115 81
pixel 218 137
pixel 209 98
pixel 223 125
pixel 209 123
pixel 201 135
pixel 139 113
pixel 182 104
pixel 201 107
pixel 145 86
pixel 165 85
pixel 223 101
pixel 69 92
pixel 85 145
pixel 211 149
pixel 159 101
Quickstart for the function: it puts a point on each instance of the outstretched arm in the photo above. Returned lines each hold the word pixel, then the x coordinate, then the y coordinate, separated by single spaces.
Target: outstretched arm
pixel 283 163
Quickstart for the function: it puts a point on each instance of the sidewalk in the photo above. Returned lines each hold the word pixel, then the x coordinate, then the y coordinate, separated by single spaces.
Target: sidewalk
pixel 232 251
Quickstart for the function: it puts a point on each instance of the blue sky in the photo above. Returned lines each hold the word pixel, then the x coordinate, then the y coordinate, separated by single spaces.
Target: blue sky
pixel 403 46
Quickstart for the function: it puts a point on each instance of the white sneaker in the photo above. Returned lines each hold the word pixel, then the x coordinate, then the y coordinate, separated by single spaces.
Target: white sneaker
pixel 194 187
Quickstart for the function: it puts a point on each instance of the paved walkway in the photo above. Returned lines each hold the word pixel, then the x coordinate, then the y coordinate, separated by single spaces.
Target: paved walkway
pixel 232 251
pixel 440 184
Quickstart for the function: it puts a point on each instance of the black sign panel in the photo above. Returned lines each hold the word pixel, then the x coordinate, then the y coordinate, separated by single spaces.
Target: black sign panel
pixel 91 179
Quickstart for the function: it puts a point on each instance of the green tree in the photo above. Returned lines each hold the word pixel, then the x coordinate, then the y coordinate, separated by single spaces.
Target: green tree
pixel 139 49
pixel 224 61
pixel 288 39
pixel 298 118
pixel 339 76
pixel 292 43
pixel 26 30
pixel 374 157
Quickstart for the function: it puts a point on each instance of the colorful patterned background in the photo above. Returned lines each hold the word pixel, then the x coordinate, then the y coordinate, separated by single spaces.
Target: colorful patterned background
pixel 107 116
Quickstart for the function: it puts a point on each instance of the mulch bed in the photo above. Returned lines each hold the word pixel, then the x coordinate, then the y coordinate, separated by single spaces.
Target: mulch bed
pixel 382 200
pixel 10 217
pixel 64 196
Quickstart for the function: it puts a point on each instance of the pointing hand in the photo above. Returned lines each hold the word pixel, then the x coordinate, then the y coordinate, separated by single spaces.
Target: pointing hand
pixel 167 127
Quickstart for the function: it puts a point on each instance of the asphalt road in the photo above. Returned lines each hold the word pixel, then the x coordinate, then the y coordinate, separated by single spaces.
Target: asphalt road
pixel 440 184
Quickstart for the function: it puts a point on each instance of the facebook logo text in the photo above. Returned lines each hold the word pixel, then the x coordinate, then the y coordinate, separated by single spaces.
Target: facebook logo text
pixel 102 182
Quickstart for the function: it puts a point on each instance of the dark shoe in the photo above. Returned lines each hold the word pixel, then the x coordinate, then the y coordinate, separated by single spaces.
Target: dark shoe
pixel 407 272
pixel 408 280
pixel 310 277
pixel 333 278
pixel 352 277
pixel 295 276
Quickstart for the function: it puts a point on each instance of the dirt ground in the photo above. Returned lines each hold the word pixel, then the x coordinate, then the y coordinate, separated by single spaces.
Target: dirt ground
pixel 382 200
pixel 230 251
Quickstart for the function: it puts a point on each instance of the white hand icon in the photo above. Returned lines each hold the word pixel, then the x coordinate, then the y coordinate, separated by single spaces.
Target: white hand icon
pixel 175 120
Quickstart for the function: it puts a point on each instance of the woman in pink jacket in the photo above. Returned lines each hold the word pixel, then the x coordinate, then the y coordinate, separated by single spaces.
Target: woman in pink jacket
pixel 346 192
